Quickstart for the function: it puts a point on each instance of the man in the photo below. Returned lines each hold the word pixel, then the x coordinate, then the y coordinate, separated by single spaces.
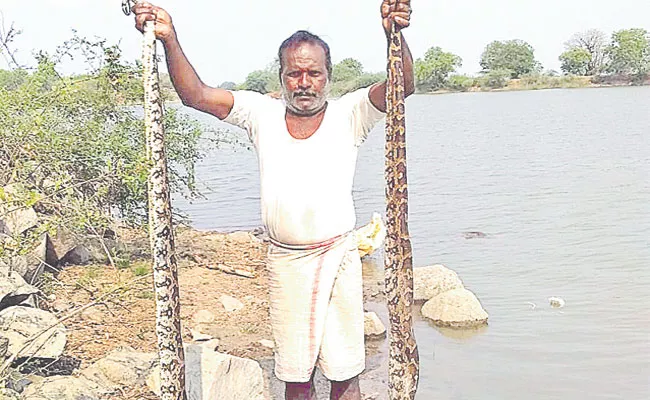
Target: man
pixel 307 149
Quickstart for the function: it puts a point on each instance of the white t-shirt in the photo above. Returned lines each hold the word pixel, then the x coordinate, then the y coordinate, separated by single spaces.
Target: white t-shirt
pixel 306 184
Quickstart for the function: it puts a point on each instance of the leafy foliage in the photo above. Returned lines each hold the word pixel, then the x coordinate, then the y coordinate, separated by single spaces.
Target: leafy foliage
pixel 73 147
pixel 516 56
pixel 629 52
pixel 576 61
pixel 433 71
pixel 495 79
pixel 592 42
pixel 347 70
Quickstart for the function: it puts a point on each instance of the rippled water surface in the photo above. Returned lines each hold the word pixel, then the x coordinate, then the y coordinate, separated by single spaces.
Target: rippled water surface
pixel 559 182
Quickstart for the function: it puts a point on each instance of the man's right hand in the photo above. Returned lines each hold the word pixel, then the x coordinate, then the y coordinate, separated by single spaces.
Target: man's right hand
pixel 164 28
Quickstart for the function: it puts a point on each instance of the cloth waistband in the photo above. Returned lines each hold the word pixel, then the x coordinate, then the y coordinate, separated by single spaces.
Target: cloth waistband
pixel 313 246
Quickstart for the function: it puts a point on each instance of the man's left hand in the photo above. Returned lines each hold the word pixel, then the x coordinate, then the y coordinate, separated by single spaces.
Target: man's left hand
pixel 398 11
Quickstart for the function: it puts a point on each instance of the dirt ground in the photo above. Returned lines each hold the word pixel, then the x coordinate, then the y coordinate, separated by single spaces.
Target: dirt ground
pixel 127 317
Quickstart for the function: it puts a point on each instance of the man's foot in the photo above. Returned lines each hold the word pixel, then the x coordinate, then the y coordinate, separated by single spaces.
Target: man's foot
pixel 346 390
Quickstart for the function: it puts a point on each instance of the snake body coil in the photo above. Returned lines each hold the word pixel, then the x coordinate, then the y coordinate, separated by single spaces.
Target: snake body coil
pixel 403 364
pixel 161 234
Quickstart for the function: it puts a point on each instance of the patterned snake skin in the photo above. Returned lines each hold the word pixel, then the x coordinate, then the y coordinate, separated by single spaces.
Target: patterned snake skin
pixel 161 235
pixel 403 364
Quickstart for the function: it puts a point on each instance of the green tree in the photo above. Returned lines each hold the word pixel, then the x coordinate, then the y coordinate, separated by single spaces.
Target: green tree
pixel 629 52
pixel 516 56
pixel 264 80
pixel 348 69
pixel 592 42
pixel 432 72
pixel 575 61
pixel 73 146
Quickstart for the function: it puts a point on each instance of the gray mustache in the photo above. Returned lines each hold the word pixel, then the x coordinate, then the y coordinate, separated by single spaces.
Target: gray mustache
pixel 300 94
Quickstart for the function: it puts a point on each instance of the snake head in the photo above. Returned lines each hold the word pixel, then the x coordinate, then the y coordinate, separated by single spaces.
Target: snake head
pixel 127 5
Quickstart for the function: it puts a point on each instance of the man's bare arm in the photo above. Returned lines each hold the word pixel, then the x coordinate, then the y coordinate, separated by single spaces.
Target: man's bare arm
pixel 398 11
pixel 192 91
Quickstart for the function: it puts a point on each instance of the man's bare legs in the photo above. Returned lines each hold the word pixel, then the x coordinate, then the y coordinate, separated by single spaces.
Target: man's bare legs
pixel 300 391
pixel 345 390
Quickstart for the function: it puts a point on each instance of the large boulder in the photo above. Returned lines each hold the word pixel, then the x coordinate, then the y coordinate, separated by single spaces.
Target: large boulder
pixel 121 368
pixel 13 288
pixel 17 220
pixel 18 324
pixel 430 281
pixel 213 375
pixel 30 266
pixel 76 249
pixel 457 308
pixel 62 388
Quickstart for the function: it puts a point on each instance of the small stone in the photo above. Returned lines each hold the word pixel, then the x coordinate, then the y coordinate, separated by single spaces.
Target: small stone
pixel 203 317
pixel 241 237
pixel 197 336
pixel 267 343
pixel 372 325
pixel 230 303
pixel 556 302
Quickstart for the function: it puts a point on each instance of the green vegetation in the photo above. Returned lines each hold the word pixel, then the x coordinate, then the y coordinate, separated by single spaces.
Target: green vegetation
pixel 588 60
pixel 629 53
pixel 515 56
pixel 432 72
pixel 73 147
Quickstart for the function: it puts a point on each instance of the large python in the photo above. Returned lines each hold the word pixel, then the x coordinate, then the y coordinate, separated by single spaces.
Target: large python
pixel 403 363
pixel 161 234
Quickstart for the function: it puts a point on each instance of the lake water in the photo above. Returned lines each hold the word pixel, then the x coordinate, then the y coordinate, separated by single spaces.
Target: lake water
pixel 559 180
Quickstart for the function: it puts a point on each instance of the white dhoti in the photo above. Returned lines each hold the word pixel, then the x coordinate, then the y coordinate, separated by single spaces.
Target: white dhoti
pixel 317 309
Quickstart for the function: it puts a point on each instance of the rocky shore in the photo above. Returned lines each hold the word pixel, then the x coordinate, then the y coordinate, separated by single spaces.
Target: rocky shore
pixel 76 323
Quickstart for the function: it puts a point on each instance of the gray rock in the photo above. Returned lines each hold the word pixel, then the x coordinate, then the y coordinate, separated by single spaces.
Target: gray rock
pixel 78 255
pixel 17 220
pixel 13 288
pixel 430 281
pixel 62 388
pixel 458 308
pixel 372 325
pixel 121 368
pixel 21 323
pixel 18 385
pixel 45 259
pixel 213 375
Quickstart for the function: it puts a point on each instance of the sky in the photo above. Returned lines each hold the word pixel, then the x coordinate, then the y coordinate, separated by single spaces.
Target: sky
pixel 225 40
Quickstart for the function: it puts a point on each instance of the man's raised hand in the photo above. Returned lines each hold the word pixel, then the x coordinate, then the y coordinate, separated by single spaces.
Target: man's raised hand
pixel 163 21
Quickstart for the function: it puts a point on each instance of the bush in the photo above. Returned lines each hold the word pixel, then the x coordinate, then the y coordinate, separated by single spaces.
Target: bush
pixel 495 79
pixel 73 147
pixel 460 83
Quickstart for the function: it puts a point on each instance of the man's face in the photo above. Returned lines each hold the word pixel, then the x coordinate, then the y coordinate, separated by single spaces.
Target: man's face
pixel 305 82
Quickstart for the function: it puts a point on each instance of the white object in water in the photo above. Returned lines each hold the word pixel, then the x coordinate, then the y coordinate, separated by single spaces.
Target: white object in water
pixel 556 302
